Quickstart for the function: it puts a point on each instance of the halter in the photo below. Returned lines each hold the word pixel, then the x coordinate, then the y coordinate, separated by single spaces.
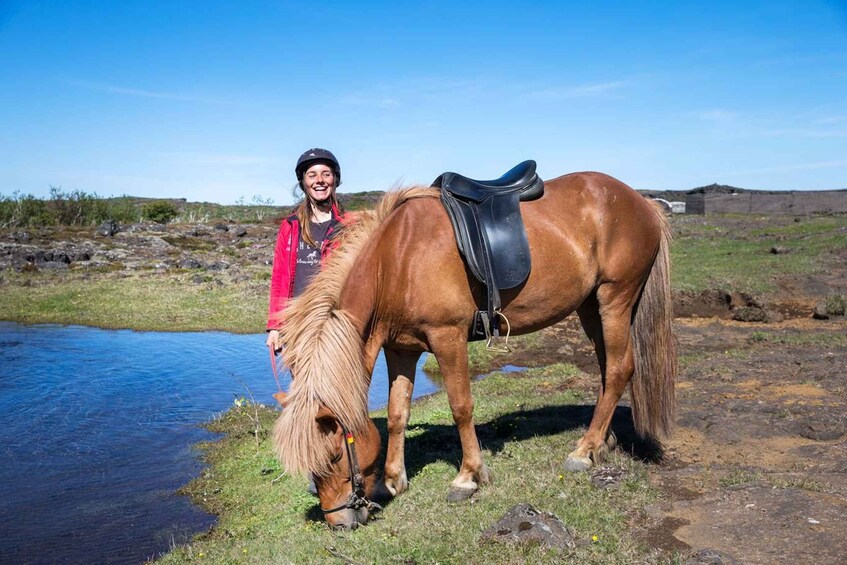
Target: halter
pixel 357 498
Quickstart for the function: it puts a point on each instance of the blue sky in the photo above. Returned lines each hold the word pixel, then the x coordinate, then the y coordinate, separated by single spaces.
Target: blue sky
pixel 213 101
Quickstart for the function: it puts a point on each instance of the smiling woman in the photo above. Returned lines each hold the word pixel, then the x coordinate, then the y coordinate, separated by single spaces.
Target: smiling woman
pixel 304 238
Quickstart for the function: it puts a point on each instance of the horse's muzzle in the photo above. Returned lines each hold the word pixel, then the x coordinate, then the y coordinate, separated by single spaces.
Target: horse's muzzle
pixel 349 519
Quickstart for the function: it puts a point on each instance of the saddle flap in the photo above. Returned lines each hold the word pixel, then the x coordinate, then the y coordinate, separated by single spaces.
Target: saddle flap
pixel 491 233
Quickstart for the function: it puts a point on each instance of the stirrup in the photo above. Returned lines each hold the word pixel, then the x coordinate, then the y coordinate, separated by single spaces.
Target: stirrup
pixel 492 343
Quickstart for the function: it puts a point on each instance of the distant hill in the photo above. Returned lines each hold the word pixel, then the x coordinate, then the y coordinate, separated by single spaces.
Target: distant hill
pixel 714 188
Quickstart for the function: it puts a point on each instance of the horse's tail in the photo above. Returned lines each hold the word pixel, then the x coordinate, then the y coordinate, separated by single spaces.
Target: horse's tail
pixel 654 347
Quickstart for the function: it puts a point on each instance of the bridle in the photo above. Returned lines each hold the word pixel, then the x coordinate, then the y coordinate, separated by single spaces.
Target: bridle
pixel 357 498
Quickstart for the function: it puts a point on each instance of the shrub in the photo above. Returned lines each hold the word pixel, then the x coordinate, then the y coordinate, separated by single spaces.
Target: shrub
pixel 23 210
pixel 159 211
pixel 836 305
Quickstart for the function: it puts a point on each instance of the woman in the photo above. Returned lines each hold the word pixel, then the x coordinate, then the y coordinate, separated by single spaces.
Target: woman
pixel 304 239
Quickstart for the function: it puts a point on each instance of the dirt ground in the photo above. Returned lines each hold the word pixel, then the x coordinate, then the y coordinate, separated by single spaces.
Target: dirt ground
pixel 756 471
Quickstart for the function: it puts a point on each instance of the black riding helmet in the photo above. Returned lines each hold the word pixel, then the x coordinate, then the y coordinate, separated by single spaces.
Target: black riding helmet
pixel 317 155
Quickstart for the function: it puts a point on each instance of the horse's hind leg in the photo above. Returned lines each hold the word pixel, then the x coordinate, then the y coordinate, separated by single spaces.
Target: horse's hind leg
pixel 401 381
pixel 606 319
pixel 451 350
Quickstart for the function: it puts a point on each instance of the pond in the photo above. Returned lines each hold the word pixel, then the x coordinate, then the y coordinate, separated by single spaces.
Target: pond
pixel 97 429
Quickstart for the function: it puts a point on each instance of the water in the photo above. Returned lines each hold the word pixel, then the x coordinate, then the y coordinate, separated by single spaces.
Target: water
pixel 96 434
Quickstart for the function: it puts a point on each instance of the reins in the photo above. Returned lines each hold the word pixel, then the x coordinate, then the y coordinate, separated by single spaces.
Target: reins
pixel 357 498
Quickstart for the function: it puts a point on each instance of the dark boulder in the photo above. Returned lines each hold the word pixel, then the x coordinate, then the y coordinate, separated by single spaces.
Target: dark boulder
pixel 524 524
pixel 108 228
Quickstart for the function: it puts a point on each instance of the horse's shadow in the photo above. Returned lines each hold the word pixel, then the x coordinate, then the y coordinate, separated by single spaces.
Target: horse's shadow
pixel 440 442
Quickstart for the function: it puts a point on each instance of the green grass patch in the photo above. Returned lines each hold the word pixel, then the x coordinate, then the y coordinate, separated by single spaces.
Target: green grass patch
pixel 800 338
pixel 482 359
pixel 266 516
pixel 705 255
pixel 153 302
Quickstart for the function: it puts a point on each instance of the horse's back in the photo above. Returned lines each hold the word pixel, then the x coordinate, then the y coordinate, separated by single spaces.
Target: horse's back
pixel 618 227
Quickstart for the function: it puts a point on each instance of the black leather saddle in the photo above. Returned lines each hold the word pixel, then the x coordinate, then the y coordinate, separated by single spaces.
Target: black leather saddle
pixel 490 234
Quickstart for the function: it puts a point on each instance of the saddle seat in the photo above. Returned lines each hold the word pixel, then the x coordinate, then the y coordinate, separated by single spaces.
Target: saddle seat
pixel 521 178
pixel 490 234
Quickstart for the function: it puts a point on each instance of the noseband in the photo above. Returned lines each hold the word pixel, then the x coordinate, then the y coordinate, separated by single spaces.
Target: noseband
pixel 357 498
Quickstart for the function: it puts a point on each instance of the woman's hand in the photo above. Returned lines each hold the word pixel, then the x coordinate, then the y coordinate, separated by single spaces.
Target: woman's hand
pixel 274 341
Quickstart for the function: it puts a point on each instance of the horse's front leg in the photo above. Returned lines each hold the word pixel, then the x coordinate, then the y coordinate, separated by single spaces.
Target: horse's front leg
pixel 451 350
pixel 401 382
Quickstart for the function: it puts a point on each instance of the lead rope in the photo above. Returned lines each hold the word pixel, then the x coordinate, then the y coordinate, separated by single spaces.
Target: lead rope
pixel 273 367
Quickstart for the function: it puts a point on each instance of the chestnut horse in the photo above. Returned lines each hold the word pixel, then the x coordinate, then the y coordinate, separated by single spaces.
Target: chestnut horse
pixel 398 282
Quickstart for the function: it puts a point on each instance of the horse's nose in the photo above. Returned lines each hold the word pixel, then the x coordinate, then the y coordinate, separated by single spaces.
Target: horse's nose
pixel 350 519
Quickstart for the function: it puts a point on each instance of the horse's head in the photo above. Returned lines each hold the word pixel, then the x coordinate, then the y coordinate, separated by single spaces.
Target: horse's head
pixel 345 491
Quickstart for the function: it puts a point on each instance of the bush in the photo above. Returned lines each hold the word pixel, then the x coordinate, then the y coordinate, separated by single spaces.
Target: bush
pixel 160 212
pixel 122 210
pixel 836 305
pixel 23 210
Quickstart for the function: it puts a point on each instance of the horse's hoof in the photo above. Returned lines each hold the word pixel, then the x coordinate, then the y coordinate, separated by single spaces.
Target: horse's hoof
pixel 612 441
pixel 460 494
pixel 398 486
pixel 575 463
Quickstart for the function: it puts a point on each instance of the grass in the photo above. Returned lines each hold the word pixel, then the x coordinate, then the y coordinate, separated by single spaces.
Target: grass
pixel 706 255
pixel 152 302
pixel 481 359
pixel 800 338
pixel 525 435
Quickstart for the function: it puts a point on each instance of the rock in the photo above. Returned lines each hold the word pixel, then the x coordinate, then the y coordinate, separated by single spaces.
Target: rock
pixel 218 266
pixel 821 432
pixel 565 350
pixel 21 236
pixel 108 228
pixel 709 557
pixel 53 265
pixel 779 250
pixel 524 524
pixel 820 312
pixel 240 231
pixel 606 477
pixel 80 256
pixel 749 314
pixel 222 227
pixel 189 264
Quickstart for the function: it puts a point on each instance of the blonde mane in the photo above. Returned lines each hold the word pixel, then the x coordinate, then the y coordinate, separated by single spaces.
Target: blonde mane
pixel 324 351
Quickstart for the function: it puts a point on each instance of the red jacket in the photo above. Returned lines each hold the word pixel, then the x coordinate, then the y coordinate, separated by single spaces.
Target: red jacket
pixel 285 263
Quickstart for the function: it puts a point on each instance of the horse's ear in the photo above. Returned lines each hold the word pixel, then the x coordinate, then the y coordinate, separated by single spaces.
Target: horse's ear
pixel 281 397
pixel 326 419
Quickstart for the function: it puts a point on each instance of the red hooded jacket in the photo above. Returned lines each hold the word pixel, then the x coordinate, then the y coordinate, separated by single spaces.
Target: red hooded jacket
pixel 285 263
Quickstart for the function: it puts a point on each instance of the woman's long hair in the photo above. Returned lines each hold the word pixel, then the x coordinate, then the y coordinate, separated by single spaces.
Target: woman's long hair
pixel 305 213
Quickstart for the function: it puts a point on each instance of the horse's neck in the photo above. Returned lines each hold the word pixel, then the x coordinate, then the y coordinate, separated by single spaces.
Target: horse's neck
pixel 359 300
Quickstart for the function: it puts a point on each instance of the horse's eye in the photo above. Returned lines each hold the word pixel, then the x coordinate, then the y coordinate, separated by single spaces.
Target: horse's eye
pixel 336 458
